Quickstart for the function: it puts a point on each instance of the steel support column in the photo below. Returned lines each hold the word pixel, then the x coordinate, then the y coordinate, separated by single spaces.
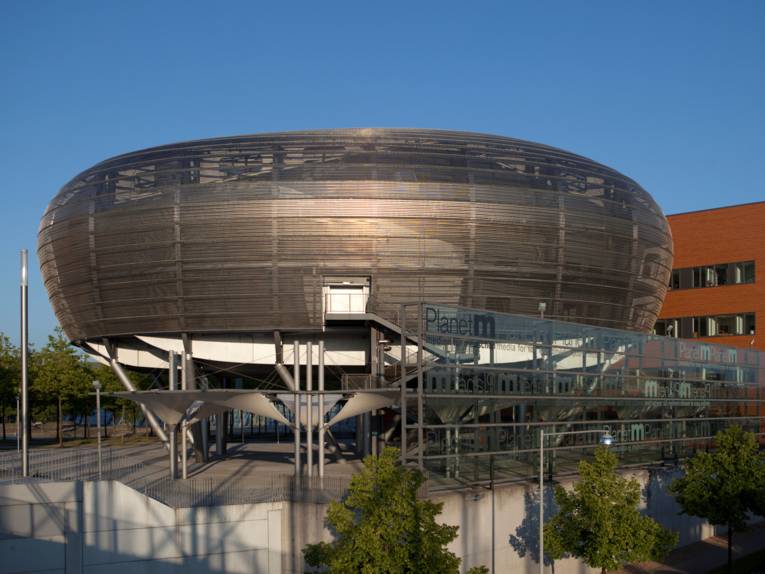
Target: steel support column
pixel 172 372
pixel 198 430
pixel 309 414
pixel 220 433
pixel 321 409
pixel 128 384
pixel 402 325
pixel 296 378
pixel 420 392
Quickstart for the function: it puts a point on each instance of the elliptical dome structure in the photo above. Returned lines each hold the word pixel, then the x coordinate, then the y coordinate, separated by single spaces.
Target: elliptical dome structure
pixel 250 233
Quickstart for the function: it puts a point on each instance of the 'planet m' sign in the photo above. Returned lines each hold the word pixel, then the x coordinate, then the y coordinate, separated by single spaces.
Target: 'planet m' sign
pixel 462 322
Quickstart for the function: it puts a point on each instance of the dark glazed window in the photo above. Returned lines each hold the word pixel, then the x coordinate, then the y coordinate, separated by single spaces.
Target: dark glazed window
pixel 749 324
pixel 708 326
pixel 714 275
pixel 744 272
pixel 667 328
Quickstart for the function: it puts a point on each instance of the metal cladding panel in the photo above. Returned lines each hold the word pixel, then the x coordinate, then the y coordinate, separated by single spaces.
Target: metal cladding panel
pixel 237 234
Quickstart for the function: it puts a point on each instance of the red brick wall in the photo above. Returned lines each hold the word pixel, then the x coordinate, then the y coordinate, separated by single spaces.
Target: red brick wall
pixel 723 235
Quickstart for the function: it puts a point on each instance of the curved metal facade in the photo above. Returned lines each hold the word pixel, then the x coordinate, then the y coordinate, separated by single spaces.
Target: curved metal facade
pixel 237 234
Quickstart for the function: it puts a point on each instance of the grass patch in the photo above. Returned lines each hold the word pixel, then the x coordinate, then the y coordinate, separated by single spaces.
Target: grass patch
pixel 754 562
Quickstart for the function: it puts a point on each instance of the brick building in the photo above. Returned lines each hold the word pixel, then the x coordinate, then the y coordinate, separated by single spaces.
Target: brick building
pixel 717 287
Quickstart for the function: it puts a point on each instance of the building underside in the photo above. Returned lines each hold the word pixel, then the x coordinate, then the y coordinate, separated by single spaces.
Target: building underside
pixel 478 387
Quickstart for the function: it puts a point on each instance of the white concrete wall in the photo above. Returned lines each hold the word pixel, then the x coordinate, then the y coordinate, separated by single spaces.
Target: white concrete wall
pixel 505 520
pixel 510 516
pixel 109 528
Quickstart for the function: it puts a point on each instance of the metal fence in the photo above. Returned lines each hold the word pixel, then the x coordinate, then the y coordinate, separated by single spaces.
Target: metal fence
pixel 66 464
pixel 266 487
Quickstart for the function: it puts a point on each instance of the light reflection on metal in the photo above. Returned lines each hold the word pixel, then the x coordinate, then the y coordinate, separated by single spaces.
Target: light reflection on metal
pixel 236 234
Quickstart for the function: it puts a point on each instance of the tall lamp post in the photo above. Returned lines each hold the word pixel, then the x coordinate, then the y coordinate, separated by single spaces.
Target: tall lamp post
pixel 605 439
pixel 24 365
pixel 97 386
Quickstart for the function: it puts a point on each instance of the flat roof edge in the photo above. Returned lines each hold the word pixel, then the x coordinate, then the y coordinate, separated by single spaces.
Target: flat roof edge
pixel 715 208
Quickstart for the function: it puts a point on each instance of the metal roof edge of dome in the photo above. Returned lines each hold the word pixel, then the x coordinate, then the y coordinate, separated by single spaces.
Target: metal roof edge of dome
pixel 352 132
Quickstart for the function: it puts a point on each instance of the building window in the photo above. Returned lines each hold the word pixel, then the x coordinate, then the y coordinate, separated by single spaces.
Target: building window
pixel 707 326
pixel 744 272
pixel 667 328
pixel 700 326
pixel 714 275
pixel 749 324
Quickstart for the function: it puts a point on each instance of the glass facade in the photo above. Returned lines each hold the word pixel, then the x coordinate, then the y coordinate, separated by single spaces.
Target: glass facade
pixel 489 382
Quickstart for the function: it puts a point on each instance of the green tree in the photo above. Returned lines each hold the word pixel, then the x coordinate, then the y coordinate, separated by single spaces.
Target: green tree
pixel 725 485
pixel 382 527
pixel 10 375
pixel 599 521
pixel 62 377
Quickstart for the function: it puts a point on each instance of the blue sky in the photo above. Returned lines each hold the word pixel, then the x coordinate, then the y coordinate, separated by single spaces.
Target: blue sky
pixel 670 93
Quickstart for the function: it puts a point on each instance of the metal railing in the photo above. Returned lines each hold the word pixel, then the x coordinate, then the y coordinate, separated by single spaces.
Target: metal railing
pixel 66 464
pixel 266 487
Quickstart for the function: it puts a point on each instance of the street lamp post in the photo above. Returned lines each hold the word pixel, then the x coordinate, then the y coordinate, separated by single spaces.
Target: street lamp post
pixel 605 439
pixel 97 386
pixel 25 426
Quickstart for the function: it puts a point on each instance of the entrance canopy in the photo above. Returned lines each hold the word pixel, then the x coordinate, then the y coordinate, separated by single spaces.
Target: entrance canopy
pixel 175 406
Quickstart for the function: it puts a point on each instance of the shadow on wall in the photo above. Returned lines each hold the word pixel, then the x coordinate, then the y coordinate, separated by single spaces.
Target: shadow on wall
pixel 23 555
pixel 525 541
pixel 660 505
pixel 108 528
pixel 657 503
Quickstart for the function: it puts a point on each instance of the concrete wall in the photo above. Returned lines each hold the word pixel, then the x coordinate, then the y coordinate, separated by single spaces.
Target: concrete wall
pixel 509 516
pixel 108 528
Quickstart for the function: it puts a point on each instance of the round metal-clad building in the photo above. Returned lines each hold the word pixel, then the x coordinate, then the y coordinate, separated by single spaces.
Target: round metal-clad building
pixel 274 231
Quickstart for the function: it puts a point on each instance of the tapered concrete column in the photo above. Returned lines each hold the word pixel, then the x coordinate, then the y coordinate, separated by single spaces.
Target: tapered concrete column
pixel 296 378
pixel 321 409
pixel 309 414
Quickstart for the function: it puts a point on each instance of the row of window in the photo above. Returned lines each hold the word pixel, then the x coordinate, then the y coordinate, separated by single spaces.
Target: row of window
pixel 712 275
pixel 709 326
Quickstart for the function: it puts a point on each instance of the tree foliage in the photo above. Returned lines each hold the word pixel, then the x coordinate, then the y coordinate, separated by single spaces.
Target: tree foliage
pixel 726 485
pixel 10 375
pixel 59 371
pixel 382 527
pixel 63 377
pixel 599 521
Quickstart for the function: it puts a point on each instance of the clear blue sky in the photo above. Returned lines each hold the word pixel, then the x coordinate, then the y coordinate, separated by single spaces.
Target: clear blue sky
pixel 670 93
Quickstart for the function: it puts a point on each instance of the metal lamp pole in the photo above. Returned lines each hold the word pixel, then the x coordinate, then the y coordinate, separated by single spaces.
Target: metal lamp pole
pixel 97 386
pixel 24 364
pixel 605 439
